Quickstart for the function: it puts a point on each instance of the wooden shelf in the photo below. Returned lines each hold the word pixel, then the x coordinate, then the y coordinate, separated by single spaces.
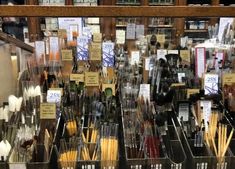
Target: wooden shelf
pixel 9 39
pixel 160 4
pixel 128 4
pixel 115 11
pixel 195 30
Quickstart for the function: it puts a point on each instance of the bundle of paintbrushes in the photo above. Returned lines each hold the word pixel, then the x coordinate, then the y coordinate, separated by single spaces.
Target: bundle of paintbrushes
pixel 220 146
pixel 71 121
pixel 109 145
pixel 90 147
pixel 68 153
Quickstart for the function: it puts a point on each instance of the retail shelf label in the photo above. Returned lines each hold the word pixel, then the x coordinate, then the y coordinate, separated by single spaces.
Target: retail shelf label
pixel 92 78
pixel 97 37
pixel 120 36
pixel 161 54
pixel 54 96
pixel 211 84
pixel 77 77
pixel 228 78
pixel 67 55
pixel 95 51
pixel 130 31
pixel 82 48
pixel 40 51
pixel 47 111
pixel 135 57
pixel 139 31
pixel 200 61
pixel 185 56
pixel 161 38
pixel 108 54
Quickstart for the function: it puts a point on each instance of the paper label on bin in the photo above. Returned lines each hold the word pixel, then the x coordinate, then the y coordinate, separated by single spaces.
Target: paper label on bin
pixel 185 55
pixel 130 31
pixel 228 78
pixel 67 55
pixel 145 91
pixel 47 111
pixel 92 78
pixel 95 51
pixel 211 84
pixel 54 96
pixel 77 77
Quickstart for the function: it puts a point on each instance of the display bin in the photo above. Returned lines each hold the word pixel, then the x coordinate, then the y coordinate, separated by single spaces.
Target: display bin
pixel 3 165
pixel 178 161
pixel 42 161
pixel 157 163
pixel 225 164
pixel 232 148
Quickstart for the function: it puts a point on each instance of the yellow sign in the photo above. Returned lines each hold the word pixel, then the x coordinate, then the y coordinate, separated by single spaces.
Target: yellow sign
pixel 95 51
pixel 77 78
pixel 192 91
pixel 185 55
pixel 112 86
pixel 161 38
pixel 97 37
pixel 228 78
pixel 92 78
pixel 67 55
pixel 47 111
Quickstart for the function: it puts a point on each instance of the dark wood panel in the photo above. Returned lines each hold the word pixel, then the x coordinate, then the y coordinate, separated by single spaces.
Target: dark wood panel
pixel 9 39
pixel 114 11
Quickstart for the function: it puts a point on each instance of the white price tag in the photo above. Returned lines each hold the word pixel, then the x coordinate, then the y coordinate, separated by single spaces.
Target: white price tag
pixel 200 61
pixel 108 54
pixel 147 64
pixel 161 54
pixel 130 31
pixel 180 76
pixel 145 91
pixel 54 96
pixel 173 52
pixel 135 57
pixel 206 104
pixel 120 36
pixel 139 31
pixel 211 84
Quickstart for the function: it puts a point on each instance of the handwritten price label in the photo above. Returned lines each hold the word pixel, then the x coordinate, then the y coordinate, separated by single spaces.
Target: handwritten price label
pixel 54 96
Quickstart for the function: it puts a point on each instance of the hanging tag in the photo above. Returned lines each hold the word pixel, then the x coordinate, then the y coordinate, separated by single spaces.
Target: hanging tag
pixel 200 63
pixel 135 57
pixel 144 91
pixel 211 84
pixel 82 48
pixel 130 31
pixel 108 54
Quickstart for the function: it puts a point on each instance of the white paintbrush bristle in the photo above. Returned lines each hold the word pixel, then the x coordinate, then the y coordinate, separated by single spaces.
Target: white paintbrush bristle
pixel 37 90
pixel 1 113
pixel 5 113
pixel 12 103
pixel 19 103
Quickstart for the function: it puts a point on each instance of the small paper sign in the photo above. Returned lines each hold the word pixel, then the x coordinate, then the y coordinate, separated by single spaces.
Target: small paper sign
pixel 108 54
pixel 161 38
pixel 192 91
pixel 173 52
pixel 185 55
pixel 206 104
pixel 82 48
pixel 139 31
pixel 228 78
pixel 161 54
pixel 200 61
pixel 211 84
pixel 67 55
pixel 180 77
pixel 95 51
pixel 54 48
pixel 135 57
pixel 54 96
pixel 145 91
pixel 120 36
pixel 111 86
pixel 97 37
pixel 130 31
pixel 92 78
pixel 47 111
pixel 77 78
pixel 147 64
pixel 40 51
pixel 62 33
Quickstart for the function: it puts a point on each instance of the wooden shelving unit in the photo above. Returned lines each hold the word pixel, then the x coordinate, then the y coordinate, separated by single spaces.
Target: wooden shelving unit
pixel 108 10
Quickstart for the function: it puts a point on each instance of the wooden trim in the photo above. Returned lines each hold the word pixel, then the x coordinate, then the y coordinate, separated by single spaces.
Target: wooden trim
pixel 116 11
pixel 9 39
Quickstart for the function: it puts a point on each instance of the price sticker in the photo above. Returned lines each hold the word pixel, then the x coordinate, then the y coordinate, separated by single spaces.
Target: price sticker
pixel 211 84
pixel 77 78
pixel 91 78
